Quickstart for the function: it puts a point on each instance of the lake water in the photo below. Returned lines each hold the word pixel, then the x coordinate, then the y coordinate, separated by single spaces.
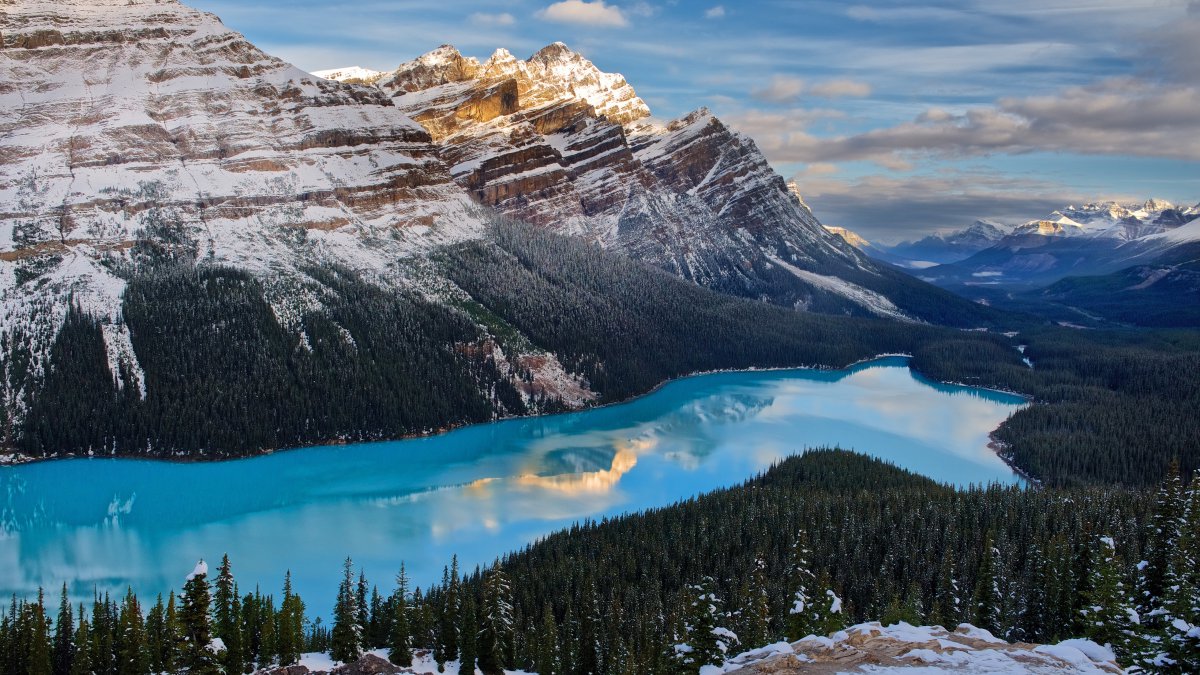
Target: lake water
pixel 477 491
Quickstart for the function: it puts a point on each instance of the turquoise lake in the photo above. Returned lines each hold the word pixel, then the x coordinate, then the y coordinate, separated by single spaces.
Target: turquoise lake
pixel 478 491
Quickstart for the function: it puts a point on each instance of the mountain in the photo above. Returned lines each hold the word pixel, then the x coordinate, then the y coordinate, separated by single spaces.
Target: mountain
pixel 194 231
pixel 947 247
pixel 351 75
pixel 1094 239
pixel 556 142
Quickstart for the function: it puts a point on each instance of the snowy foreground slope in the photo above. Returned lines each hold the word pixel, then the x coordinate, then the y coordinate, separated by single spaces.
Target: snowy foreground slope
pixel 864 648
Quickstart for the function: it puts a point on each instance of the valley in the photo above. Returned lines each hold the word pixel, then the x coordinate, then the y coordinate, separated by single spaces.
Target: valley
pixel 605 371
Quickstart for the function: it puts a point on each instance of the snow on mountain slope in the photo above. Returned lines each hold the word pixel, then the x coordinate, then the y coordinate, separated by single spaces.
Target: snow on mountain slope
pixel 351 74
pixel 556 142
pixel 123 120
pixel 1108 220
pixel 849 236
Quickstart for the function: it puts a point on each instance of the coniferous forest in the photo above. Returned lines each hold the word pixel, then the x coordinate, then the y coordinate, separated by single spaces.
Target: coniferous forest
pixel 816 543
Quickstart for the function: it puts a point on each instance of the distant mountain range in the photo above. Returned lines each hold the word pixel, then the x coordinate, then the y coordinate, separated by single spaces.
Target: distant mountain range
pixel 1132 263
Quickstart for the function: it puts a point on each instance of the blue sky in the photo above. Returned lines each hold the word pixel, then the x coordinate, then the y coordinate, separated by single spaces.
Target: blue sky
pixel 896 118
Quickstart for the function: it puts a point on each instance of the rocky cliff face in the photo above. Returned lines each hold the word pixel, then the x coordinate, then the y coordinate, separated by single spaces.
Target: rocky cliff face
pixel 133 131
pixel 554 141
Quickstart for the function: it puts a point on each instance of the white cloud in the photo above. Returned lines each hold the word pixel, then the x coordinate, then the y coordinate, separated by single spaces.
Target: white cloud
pixel 781 89
pixel 596 13
pixel 717 12
pixel 840 89
pixel 485 19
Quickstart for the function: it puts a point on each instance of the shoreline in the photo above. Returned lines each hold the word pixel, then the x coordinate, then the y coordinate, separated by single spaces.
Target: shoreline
pixel 17 459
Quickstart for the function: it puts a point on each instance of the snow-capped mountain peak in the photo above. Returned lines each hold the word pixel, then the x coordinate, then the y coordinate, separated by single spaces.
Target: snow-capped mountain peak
pixel 351 74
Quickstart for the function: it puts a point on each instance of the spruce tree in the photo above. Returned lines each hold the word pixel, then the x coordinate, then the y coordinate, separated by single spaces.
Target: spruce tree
pixel 547 661
pixel 38 656
pixel 1164 537
pixel 448 621
pixel 1109 616
pixel 290 625
pixel 363 606
pixel 82 663
pixel 468 633
pixel 1177 641
pixel 195 625
pixel 495 622
pixel 400 640
pixel 133 659
pixel 156 636
pixel 346 635
pixel 225 620
pixel 987 601
pixel 64 628
pixel 757 612
pixel 947 600
pixel 800 584
pixel 705 638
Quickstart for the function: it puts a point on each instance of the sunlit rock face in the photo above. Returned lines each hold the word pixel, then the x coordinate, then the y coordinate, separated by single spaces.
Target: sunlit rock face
pixel 555 141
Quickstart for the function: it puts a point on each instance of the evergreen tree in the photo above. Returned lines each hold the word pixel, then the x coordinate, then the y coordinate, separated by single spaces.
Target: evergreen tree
pixel 987 601
pixel 156 637
pixel 195 625
pixel 226 624
pixel 1177 642
pixel 800 583
pixel 705 639
pixel 495 623
pixel 448 621
pixel 1109 615
pixel 400 640
pixel 1164 537
pixel 82 663
pixel 757 611
pixel 363 606
pixel 290 625
pixel 346 634
pixel 133 659
pixel 64 628
pixel 547 661
pixel 947 601
pixel 828 615
pixel 468 633
pixel 38 659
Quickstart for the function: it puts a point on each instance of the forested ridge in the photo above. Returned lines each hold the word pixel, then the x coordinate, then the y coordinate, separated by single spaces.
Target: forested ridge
pixel 223 376
pixel 1114 407
pixel 814 544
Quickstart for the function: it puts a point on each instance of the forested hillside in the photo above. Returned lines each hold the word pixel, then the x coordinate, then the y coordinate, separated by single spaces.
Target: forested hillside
pixel 1114 407
pixel 816 543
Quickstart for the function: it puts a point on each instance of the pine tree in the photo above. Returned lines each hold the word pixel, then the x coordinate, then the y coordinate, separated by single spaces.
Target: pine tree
pixel 987 601
pixel 495 623
pixel 1109 615
pixel 156 636
pixel 38 657
pixel 827 615
pixel 448 620
pixel 705 639
pixel 363 606
pixel 1177 646
pixel 947 601
pixel 290 626
pixel 757 613
pixel 346 635
pixel 225 619
pixel 82 663
pixel 1164 537
pixel 468 632
pixel 547 661
pixel 133 658
pixel 64 628
pixel 588 660
pixel 400 640
pixel 195 626
pixel 800 584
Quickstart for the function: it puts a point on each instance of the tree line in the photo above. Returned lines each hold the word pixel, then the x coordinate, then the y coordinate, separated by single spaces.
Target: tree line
pixel 816 543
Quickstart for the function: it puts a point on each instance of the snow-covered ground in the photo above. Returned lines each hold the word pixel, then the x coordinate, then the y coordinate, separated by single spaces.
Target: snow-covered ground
pixel 903 649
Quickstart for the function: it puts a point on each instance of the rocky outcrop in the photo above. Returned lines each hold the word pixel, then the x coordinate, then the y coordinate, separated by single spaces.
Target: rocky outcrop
pixel 556 142
pixel 898 648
